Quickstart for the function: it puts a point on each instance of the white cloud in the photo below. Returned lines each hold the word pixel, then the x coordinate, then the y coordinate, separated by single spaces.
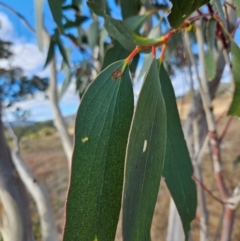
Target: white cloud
pixel 6 27
pixel 31 60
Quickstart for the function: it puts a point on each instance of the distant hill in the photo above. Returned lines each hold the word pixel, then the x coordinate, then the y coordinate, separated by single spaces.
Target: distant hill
pixel 21 123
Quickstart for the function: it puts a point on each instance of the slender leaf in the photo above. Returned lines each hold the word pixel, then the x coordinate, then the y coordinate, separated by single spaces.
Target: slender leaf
pixel 178 169
pixel 181 10
pixel 61 49
pixel 130 8
pixel 96 8
pixel 237 4
pixel 210 65
pixel 154 33
pixel 135 22
pixel 101 3
pixel 114 53
pixel 38 4
pixel 68 76
pixel 51 51
pixel 145 159
pixel 103 37
pixel 76 3
pixel 120 30
pixel 56 9
pixel 235 106
pixel 93 34
pixel 102 126
pixel 211 35
pixel 76 23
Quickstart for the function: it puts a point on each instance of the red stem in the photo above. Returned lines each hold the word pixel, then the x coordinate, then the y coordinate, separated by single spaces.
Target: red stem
pixel 207 190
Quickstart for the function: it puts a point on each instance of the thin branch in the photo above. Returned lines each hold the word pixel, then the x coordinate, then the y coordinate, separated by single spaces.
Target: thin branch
pixel 225 129
pixel 24 20
pixel 207 191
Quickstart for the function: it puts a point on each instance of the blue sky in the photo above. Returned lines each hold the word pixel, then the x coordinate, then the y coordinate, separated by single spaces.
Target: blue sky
pixel 32 60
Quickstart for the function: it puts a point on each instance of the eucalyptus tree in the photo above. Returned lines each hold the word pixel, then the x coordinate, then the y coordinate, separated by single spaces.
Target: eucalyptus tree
pixel 15 216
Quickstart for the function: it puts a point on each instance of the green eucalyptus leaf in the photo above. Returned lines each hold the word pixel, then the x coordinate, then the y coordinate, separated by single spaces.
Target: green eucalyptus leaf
pixel 210 65
pixel 93 34
pixel 101 3
pixel 125 35
pixel 68 76
pixel 62 49
pixel 181 10
pixel 178 168
pixel 114 53
pixel 56 9
pixel 154 33
pixel 76 3
pixel 38 5
pixel 51 51
pixel 235 106
pixel 237 4
pixel 145 159
pixel 79 19
pixel 135 22
pixel 102 126
pixel 130 8
pixel 210 33
pixel 96 8
pixel 121 31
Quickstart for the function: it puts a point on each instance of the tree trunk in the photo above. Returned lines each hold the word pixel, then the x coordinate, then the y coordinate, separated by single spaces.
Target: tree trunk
pixel 59 121
pixel 15 218
pixel 38 192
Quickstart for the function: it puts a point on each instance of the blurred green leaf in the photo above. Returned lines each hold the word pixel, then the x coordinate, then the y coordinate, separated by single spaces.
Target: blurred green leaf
pixel 68 75
pixel 38 5
pixel 56 9
pixel 235 106
pixel 154 33
pixel 210 65
pixel 96 8
pixel 145 159
pixel 51 51
pixel 178 168
pixel 114 53
pixel 76 23
pixel 130 8
pixel 101 3
pixel 181 10
pixel 76 3
pixel 102 125
pixel 135 22
pixel 62 49
pixel 210 33
pixel 237 4
pixel 237 161
pixel 121 31
pixel 93 34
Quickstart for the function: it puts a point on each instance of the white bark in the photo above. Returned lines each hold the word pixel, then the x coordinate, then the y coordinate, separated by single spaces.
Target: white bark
pixel 175 229
pixel 40 196
pixel 37 191
pixel 53 92
pixel 15 218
